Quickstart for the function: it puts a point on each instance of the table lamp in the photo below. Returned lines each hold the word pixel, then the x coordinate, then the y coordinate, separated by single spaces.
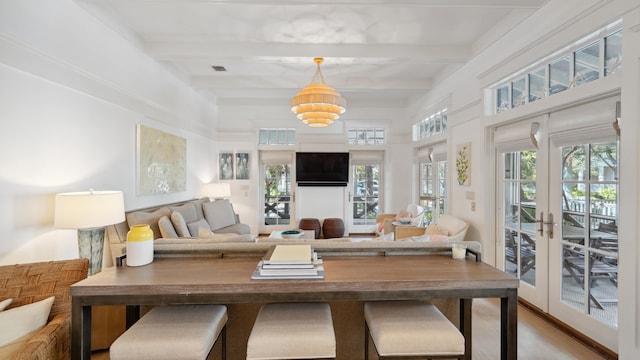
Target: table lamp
pixel 89 212
pixel 218 191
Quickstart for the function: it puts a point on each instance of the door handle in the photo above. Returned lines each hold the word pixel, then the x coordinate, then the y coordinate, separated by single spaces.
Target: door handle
pixel 541 222
pixel 550 225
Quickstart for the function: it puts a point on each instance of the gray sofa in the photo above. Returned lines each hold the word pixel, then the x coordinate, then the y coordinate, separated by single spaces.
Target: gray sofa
pixel 198 218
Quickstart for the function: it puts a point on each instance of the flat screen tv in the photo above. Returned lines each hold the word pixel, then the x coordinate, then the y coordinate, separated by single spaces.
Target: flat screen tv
pixel 322 168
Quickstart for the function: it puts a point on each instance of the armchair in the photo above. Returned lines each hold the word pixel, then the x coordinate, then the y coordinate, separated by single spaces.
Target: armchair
pixel 29 283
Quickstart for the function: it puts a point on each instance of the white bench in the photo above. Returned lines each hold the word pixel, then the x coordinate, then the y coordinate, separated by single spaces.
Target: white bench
pixel 173 332
pixel 292 331
pixel 410 329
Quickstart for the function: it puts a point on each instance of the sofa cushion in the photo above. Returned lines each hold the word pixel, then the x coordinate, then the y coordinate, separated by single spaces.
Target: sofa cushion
pixel 195 226
pixel 19 321
pixel 180 225
pixel 452 224
pixel 166 228
pixel 187 210
pixel 198 206
pixel 225 237
pixel 148 217
pixel 219 214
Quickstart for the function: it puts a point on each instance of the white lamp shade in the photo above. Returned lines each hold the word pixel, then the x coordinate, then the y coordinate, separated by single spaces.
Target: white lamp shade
pixel 88 209
pixel 219 190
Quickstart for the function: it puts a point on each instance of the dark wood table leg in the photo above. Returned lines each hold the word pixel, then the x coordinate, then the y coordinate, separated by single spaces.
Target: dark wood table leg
pixel 466 325
pixel 132 314
pixel 80 330
pixel 509 326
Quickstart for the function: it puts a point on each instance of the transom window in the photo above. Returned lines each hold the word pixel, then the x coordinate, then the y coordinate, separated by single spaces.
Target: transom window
pixel 594 57
pixel 374 136
pixel 277 137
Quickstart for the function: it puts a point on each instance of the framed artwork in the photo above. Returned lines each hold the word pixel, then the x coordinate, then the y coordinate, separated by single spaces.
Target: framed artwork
pixel 242 166
pixel 161 162
pixel 225 163
pixel 463 164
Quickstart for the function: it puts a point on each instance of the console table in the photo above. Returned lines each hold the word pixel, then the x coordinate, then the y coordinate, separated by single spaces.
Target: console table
pixel 227 281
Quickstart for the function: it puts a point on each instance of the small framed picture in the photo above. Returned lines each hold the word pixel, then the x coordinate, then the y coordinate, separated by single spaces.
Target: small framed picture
pixel 225 164
pixel 242 166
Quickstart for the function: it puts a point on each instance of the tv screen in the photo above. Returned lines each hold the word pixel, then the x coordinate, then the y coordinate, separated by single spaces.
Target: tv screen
pixel 322 168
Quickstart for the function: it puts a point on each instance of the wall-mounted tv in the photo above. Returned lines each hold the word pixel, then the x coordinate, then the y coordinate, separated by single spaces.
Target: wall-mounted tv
pixel 322 168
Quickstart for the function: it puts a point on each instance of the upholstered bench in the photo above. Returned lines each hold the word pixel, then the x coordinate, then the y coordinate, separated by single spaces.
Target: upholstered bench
pixel 292 331
pixel 173 332
pixel 410 329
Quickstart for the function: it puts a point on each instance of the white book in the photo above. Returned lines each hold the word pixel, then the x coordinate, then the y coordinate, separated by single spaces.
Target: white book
pixel 289 254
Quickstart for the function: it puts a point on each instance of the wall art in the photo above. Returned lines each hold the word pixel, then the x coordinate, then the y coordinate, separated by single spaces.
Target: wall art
pixel 463 164
pixel 161 162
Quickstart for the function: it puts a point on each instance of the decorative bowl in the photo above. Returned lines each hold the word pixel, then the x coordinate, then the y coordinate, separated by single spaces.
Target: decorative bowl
pixel 291 234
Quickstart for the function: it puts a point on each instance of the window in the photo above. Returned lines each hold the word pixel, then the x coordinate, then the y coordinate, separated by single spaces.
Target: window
pixel 277 137
pixel 432 125
pixel 581 63
pixel 365 136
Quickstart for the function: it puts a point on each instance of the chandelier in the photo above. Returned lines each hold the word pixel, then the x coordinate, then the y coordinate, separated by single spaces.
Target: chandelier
pixel 318 104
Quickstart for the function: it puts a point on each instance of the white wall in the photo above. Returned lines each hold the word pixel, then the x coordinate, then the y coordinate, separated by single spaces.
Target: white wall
pixel 71 95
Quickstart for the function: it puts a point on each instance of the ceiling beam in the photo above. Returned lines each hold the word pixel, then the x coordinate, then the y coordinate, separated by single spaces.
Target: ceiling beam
pixel 504 4
pixel 176 50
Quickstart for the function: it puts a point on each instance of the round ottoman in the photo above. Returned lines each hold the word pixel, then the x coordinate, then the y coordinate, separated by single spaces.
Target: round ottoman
pixel 333 228
pixel 310 224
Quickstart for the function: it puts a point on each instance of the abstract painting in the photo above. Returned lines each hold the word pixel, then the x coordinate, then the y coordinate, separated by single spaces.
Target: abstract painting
pixel 161 162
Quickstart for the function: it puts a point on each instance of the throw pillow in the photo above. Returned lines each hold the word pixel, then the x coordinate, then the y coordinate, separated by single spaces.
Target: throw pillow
pixel 19 321
pixel 194 226
pixel 150 218
pixel 5 303
pixel 187 210
pixel 180 225
pixel 452 224
pixel 434 229
pixel 166 228
pixel 219 214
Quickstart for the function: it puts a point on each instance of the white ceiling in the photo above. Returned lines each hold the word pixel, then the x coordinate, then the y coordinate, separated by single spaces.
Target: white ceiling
pixel 378 50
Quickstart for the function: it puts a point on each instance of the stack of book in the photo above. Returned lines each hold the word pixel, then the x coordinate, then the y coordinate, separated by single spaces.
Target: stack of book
pixel 289 262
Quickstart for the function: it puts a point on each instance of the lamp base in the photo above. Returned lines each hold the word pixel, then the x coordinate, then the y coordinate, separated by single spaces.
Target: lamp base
pixel 91 246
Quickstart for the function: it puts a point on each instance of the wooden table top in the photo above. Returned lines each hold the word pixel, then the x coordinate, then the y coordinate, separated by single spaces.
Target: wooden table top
pixel 346 278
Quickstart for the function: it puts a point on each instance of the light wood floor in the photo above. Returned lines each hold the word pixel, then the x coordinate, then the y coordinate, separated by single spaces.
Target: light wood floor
pixel 537 339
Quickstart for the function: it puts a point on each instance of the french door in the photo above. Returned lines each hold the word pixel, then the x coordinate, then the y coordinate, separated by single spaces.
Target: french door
pixel 557 217
pixel 365 192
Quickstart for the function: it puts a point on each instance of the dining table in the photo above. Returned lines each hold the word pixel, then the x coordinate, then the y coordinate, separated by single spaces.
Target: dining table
pixel 227 280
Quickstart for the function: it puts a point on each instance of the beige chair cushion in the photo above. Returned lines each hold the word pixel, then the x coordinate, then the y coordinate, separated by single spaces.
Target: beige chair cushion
pixel 411 328
pixel 171 332
pixel 292 331
pixel 452 224
pixel 434 229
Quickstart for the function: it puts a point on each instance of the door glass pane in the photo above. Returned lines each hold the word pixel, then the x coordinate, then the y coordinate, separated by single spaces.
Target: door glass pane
pixel 502 99
pixel 277 198
pixel 366 194
pixel 559 76
pixel 586 64
pixel 589 230
pixel 536 85
pixel 520 215
pixel 518 92
pixel 613 53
